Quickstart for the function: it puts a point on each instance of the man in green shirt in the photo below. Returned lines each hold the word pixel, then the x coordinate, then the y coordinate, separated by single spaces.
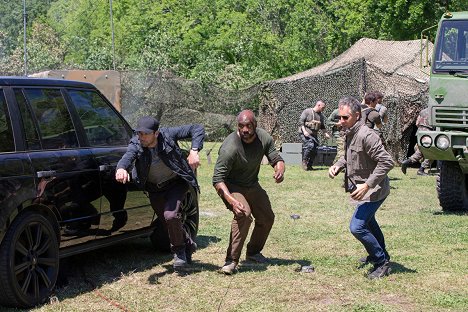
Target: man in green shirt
pixel 235 179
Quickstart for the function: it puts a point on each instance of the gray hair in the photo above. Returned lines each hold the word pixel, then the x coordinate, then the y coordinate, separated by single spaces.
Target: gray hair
pixel 351 102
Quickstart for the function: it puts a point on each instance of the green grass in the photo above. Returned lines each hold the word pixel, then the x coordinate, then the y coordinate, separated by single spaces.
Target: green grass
pixel 429 252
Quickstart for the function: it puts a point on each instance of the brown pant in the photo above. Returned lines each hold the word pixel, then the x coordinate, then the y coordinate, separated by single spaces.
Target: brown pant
pixel 167 204
pixel 257 204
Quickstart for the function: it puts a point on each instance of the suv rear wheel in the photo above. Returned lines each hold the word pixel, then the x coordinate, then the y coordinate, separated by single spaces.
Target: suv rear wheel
pixel 29 261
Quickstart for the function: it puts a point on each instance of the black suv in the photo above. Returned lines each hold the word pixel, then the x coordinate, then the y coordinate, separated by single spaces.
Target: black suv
pixel 59 144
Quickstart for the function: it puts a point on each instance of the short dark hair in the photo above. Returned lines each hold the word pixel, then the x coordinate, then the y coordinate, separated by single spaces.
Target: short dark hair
pixel 370 97
pixel 378 94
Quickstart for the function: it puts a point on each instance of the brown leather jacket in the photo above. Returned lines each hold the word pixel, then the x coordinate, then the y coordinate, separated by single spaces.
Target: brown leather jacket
pixel 367 161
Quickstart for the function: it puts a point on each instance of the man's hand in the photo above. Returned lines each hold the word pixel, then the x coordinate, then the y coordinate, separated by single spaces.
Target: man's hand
pixel 360 191
pixel 193 159
pixel 237 207
pixel 333 171
pixel 279 172
pixel 122 176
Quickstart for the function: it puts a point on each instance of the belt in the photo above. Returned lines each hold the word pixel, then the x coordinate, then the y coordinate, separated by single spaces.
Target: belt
pixel 165 184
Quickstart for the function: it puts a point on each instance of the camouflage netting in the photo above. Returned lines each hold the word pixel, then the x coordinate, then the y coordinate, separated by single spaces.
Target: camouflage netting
pixel 392 67
pixel 175 101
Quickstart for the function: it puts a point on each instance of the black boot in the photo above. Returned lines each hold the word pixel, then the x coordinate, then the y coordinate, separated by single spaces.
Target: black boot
pixel 180 259
pixel 405 164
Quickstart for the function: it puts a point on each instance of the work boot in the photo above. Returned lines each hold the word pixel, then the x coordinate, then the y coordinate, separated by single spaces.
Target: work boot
pixel 405 164
pixel 258 258
pixel 421 172
pixel 380 271
pixel 229 268
pixel 180 259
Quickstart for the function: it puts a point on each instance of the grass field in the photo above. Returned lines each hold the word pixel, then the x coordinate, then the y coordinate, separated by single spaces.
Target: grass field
pixel 429 252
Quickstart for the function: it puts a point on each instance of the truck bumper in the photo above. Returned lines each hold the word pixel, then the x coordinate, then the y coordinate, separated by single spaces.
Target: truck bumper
pixel 457 149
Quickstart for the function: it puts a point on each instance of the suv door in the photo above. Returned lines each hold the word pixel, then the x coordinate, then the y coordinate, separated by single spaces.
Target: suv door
pixel 67 177
pixel 123 206
pixel 16 177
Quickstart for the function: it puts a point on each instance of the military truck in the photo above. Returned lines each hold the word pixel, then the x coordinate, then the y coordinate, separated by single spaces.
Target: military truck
pixel 448 105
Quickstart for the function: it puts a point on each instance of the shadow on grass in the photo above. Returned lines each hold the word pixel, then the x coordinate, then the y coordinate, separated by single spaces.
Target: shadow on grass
pixel 89 271
pixel 203 241
pixel 258 267
pixel 398 268
pixel 451 213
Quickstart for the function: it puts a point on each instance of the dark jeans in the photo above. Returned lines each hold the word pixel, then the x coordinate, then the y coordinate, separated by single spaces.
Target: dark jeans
pixel 258 205
pixel 167 202
pixel 309 150
pixel 365 228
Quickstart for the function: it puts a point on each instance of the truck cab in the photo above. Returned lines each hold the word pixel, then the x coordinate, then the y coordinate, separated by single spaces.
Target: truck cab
pixel 448 106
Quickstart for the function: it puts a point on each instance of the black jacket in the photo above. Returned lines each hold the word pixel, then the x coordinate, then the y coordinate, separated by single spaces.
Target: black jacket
pixel 138 158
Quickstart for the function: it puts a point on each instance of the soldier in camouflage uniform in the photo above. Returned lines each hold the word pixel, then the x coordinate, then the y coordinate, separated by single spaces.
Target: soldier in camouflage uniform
pixel 311 121
pixel 422 122
pixel 337 133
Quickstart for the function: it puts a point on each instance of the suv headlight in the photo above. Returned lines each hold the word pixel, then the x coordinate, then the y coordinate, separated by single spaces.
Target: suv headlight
pixel 442 142
pixel 426 141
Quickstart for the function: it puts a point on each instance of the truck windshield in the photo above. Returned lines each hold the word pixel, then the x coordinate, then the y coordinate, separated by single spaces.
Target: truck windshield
pixel 451 51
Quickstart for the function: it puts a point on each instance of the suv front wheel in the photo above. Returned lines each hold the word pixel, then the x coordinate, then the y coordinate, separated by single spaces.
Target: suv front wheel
pixel 29 261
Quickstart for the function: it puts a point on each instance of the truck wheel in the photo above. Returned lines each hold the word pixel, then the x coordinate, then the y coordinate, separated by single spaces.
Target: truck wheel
pixel 190 216
pixel 29 261
pixel 452 187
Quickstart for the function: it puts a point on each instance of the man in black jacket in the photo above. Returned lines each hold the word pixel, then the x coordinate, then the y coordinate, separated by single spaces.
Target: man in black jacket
pixel 162 170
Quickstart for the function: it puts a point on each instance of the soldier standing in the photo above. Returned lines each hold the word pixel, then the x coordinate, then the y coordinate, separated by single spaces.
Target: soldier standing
pixel 422 122
pixel 311 121
pixel 337 133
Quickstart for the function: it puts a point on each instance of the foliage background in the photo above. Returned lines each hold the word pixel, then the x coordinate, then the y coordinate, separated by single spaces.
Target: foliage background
pixel 230 43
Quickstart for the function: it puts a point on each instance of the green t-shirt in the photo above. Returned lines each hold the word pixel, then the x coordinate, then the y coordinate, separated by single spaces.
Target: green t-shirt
pixel 239 163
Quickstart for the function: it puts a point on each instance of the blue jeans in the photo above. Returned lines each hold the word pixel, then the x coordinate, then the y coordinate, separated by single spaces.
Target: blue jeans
pixel 366 229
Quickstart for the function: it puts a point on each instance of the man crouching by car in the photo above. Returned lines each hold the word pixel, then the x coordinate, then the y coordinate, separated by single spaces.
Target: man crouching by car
pixel 164 172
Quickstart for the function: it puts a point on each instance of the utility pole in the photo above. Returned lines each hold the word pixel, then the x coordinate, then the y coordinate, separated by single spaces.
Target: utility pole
pixel 112 31
pixel 25 17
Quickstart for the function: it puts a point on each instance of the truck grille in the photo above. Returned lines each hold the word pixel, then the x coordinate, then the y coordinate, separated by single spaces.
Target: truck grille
pixel 453 117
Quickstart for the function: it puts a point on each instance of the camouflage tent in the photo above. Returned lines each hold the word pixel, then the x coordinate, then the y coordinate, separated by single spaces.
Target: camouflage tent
pixel 392 67
pixel 175 100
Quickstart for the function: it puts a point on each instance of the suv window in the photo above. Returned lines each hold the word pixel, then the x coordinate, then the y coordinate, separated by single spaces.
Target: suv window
pixel 30 132
pixel 102 125
pixel 6 134
pixel 55 125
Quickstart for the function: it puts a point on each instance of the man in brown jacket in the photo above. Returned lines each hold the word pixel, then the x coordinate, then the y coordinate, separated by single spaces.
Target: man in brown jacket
pixel 367 163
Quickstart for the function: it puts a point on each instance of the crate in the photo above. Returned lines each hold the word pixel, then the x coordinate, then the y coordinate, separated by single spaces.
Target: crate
pixel 325 156
pixel 292 154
